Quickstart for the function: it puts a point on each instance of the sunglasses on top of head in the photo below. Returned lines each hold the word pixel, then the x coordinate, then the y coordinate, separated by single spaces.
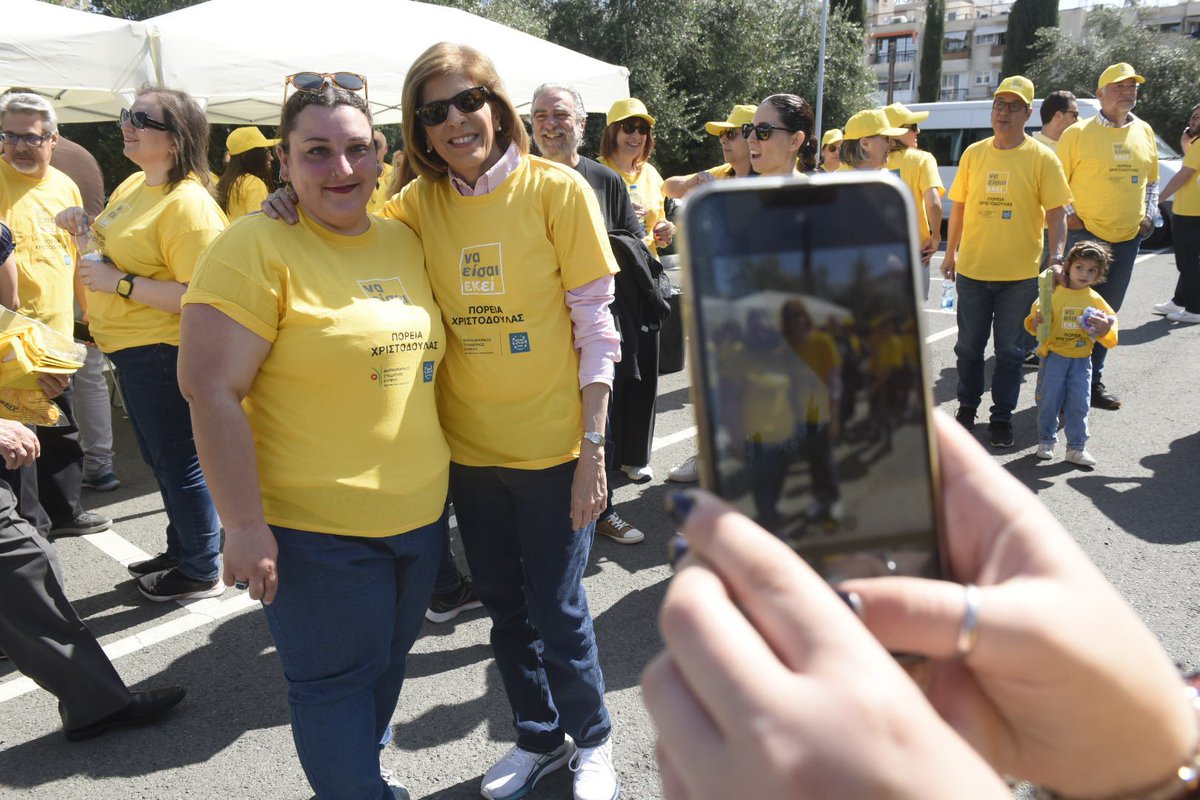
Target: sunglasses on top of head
pixel 313 82
pixel 467 101
pixel 762 130
pixel 141 120
pixel 635 125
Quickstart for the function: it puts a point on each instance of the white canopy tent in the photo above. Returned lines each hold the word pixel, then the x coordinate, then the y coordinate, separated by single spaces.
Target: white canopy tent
pixel 234 54
pixel 89 65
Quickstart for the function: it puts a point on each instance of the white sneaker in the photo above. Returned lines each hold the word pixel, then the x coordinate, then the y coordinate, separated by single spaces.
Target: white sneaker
pixel 1045 451
pixel 1081 457
pixel 638 474
pixel 1183 315
pixel 392 782
pixel 595 776
pixel 687 472
pixel 619 530
pixel 1163 309
pixel 515 775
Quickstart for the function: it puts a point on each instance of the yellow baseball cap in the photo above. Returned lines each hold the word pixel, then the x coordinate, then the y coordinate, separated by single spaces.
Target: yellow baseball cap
pixel 242 140
pixel 872 122
pixel 831 136
pixel 1019 85
pixel 629 107
pixel 1118 72
pixel 740 115
pixel 899 115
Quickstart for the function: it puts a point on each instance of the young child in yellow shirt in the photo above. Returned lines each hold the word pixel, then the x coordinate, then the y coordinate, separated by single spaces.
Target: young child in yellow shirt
pixel 1079 319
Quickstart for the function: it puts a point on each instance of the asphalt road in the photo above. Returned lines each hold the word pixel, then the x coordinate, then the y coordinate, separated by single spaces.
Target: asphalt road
pixel 1135 514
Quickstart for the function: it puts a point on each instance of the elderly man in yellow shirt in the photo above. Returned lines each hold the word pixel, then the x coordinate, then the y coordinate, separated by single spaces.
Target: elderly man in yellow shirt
pixel 31 193
pixel 1111 163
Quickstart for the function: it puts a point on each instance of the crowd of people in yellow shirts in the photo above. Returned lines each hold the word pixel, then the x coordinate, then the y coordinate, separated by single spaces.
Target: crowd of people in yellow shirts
pixel 314 384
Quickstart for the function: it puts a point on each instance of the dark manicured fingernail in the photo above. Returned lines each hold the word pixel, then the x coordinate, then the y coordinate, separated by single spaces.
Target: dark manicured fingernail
pixel 680 505
pixel 677 548
pixel 854 601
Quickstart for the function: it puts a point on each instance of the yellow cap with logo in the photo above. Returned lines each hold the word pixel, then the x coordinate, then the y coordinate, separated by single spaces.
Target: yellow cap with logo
pixel 872 122
pixel 831 136
pixel 899 115
pixel 1019 85
pixel 1118 72
pixel 629 107
pixel 740 115
pixel 242 140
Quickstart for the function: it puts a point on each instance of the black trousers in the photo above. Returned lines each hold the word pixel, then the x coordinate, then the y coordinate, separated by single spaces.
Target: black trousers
pixel 40 631
pixel 1185 231
pixel 632 406
pixel 48 491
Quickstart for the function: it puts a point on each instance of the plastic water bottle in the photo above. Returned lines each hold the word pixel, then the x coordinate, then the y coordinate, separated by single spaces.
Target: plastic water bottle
pixel 947 294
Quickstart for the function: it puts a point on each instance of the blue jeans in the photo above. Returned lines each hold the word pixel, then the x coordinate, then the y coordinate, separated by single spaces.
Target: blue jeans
pixel 162 423
pixel 996 308
pixel 1064 384
pixel 1113 289
pixel 347 612
pixel 528 565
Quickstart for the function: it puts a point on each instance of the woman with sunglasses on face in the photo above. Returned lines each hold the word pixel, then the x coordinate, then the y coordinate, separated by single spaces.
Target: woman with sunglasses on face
pixel 781 136
pixel 152 232
pixel 733 148
pixel 296 338
pixel 865 140
pixel 831 151
pixel 248 177
pixel 626 146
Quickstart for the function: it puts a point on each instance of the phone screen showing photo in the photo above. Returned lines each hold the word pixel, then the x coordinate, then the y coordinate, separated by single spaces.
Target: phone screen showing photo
pixel 807 350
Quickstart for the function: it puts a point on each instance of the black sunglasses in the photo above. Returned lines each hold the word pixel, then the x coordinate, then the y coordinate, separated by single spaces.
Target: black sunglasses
pixel 30 139
pixel 313 82
pixel 635 125
pixel 762 130
pixel 915 128
pixel 467 101
pixel 141 120
pixel 730 134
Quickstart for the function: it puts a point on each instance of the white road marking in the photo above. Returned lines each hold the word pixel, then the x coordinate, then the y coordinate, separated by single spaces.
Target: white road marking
pixel 933 337
pixel 674 438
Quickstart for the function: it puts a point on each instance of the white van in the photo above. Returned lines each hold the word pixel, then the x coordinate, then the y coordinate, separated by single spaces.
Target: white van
pixel 955 125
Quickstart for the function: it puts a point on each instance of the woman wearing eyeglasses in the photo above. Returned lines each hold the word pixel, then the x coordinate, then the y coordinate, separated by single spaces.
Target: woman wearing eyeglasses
pixel 626 146
pixel 152 232
pixel 309 357
pixel 248 177
pixel 733 147
pixel 781 136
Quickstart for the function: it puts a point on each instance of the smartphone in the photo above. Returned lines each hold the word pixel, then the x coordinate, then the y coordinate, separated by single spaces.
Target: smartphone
pixel 808 367
pixel 83 333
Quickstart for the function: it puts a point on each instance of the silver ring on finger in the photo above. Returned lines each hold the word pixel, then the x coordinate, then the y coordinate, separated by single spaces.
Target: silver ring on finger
pixel 968 633
pixel 243 585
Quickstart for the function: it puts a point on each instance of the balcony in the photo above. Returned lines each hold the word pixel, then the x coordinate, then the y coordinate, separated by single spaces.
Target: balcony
pixel 902 56
pixel 958 52
pixel 953 94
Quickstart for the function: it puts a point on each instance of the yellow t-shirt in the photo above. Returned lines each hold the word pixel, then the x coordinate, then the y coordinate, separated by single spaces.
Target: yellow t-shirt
pixel 1067 337
pixel 45 253
pixel 156 234
pixel 1108 169
pixel 645 189
pixel 919 172
pixel 820 354
pixel 1187 199
pixel 380 196
pixel 246 196
pixel 1046 140
pixel 1005 195
pixel 500 264
pixel 343 409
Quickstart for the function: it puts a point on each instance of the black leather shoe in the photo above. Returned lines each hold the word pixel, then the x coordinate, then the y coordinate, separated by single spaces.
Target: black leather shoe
pixel 1103 398
pixel 144 707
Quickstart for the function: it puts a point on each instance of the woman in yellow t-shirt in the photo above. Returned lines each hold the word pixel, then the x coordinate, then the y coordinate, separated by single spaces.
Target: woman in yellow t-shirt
pixel 153 230
pixel 309 356
pixel 1184 305
pixel 625 147
pixel 248 177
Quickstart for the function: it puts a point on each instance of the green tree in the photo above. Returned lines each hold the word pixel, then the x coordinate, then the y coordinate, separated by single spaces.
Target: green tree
pixel 1024 21
pixel 929 90
pixel 1169 62
pixel 139 9
pixel 854 11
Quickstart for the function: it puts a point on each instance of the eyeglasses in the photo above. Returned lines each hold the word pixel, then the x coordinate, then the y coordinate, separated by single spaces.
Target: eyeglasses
pixel 313 82
pixel 30 139
pixel 731 134
pixel 467 101
pixel 1015 107
pixel 762 130
pixel 141 120
pixel 635 125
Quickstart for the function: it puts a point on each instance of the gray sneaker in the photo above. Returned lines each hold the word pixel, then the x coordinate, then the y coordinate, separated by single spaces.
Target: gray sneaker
pixel 84 524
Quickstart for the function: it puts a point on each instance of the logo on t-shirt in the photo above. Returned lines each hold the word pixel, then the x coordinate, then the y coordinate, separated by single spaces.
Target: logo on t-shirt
pixel 518 342
pixel 1121 152
pixel 1070 318
pixel 481 269
pixel 997 183
pixel 1006 215
pixel 385 289
pixel 426 371
pixel 1133 179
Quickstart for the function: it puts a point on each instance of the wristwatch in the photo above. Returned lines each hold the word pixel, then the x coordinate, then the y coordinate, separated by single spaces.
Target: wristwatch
pixel 125 285
pixel 1058 260
pixel 595 438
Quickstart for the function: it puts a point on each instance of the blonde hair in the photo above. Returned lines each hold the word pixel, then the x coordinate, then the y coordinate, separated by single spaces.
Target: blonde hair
pixel 447 58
